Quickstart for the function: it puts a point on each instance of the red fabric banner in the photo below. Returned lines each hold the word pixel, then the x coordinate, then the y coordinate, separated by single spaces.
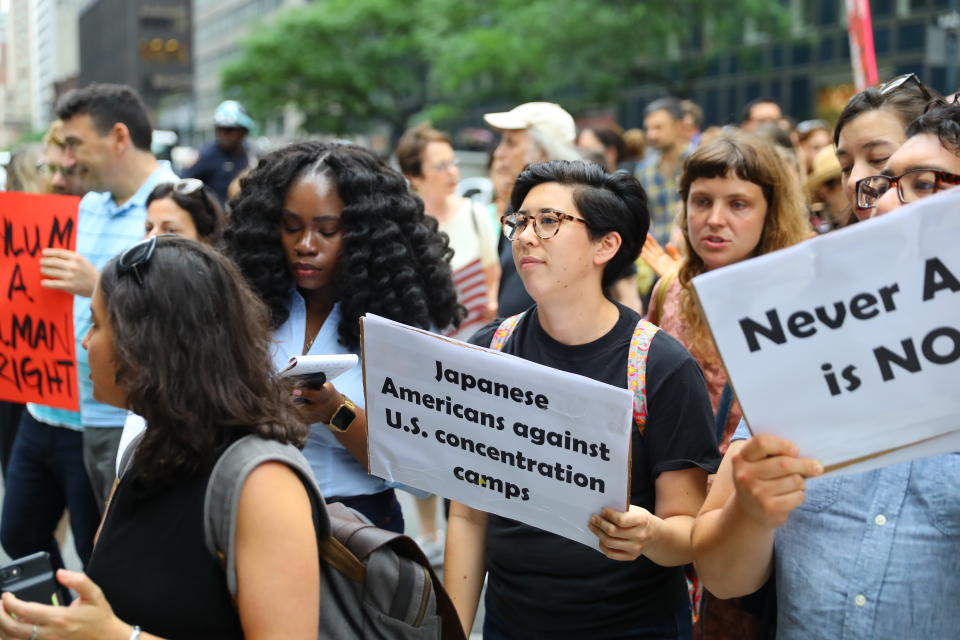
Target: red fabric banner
pixel 863 57
pixel 37 355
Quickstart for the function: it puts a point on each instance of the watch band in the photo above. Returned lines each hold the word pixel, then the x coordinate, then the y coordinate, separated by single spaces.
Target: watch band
pixel 344 416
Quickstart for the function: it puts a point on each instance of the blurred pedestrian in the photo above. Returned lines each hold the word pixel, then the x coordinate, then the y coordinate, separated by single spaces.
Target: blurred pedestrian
pixel 227 156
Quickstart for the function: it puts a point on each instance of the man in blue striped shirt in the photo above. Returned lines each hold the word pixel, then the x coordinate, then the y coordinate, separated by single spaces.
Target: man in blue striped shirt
pixel 59 455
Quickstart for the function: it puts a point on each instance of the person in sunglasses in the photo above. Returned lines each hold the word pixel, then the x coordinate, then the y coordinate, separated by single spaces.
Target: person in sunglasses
pixel 190 369
pixel 185 208
pixel 928 162
pixel 325 233
pixel 573 229
pixel 872 126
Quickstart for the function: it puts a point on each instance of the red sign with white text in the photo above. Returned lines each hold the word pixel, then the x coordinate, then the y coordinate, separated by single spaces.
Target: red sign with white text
pixel 37 355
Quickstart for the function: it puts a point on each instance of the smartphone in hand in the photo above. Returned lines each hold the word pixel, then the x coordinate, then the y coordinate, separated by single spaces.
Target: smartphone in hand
pixel 33 578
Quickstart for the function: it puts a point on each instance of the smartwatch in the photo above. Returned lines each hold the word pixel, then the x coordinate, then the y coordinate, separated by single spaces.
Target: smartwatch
pixel 344 416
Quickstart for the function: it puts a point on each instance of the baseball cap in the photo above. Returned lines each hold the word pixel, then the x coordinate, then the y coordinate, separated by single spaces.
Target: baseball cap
pixel 550 119
pixel 231 114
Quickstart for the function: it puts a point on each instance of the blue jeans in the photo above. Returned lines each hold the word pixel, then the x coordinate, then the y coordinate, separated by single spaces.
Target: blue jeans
pixel 676 626
pixel 382 509
pixel 46 475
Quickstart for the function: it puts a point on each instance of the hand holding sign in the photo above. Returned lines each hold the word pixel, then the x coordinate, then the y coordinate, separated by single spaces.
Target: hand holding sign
pixel 68 271
pixel 769 478
pixel 624 535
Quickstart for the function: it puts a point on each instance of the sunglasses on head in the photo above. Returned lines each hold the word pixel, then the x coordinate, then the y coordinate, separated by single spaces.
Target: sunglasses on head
pixel 900 81
pixel 137 258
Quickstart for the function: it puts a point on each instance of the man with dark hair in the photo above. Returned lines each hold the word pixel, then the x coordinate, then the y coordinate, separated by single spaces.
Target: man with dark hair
pixel 106 133
pixel 928 162
pixel 761 111
pixel 660 171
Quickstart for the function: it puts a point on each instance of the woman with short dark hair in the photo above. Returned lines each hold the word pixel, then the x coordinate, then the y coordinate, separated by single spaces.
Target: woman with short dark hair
pixel 573 230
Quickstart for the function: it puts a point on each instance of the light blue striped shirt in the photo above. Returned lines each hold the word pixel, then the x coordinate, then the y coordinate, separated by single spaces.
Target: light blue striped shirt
pixel 104 229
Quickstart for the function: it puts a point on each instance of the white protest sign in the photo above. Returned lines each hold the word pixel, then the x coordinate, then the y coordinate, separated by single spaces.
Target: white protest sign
pixel 495 432
pixel 849 344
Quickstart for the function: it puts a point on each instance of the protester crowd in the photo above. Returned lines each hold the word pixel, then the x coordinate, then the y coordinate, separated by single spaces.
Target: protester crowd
pixel 191 291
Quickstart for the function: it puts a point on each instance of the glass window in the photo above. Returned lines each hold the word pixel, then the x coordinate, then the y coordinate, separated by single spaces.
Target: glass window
pixel 825 50
pixel 881 40
pixel 881 8
pixel 801 53
pixel 827 16
pixel 911 37
pixel 801 96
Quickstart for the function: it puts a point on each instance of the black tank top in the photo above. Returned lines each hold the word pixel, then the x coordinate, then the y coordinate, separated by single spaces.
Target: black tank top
pixel 153 567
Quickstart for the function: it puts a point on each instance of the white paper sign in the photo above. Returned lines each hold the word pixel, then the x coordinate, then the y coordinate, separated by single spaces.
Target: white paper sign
pixel 849 344
pixel 498 433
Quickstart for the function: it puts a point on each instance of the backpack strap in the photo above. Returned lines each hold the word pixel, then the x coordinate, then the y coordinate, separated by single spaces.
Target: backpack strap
pixel 222 500
pixel 640 343
pixel 504 331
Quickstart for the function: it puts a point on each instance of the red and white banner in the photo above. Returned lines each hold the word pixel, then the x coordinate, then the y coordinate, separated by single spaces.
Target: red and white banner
pixel 863 57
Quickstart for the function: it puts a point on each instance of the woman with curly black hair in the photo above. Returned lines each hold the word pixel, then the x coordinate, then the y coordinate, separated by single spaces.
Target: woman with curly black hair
pixel 326 233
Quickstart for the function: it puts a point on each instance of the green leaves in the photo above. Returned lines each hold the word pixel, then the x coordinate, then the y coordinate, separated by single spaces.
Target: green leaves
pixel 349 65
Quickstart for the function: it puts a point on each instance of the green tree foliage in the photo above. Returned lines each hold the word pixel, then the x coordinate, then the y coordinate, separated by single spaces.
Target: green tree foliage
pixel 349 64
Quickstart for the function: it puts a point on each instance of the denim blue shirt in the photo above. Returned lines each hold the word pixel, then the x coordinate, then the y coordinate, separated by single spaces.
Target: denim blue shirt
pixel 873 554
pixel 104 229
pixel 337 472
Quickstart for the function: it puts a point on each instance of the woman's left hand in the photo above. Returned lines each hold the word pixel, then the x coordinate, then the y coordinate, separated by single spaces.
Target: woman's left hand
pixel 624 534
pixel 90 617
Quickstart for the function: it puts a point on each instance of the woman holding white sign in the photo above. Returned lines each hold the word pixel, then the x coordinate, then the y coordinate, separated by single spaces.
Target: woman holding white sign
pixel 573 231
pixel 326 233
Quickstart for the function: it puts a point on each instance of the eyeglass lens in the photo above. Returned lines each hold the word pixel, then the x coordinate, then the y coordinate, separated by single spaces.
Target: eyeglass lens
pixel 545 225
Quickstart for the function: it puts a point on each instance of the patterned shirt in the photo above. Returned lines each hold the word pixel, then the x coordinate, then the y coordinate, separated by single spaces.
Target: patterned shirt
pixel 663 196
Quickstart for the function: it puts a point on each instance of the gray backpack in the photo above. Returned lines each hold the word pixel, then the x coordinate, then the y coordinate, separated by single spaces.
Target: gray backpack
pixel 374 583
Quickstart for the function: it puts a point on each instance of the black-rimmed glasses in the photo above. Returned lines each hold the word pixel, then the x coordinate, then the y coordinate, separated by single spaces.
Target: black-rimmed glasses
pixel 136 258
pixel 911 186
pixel 895 83
pixel 546 223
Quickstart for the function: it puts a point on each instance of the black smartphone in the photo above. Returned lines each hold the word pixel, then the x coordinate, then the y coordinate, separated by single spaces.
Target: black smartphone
pixel 311 380
pixel 33 578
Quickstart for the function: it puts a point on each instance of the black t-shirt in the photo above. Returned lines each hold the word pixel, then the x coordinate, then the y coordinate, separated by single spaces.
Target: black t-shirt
pixel 543 583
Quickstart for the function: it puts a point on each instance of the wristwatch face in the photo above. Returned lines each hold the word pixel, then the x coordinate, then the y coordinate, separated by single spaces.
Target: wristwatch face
pixel 343 417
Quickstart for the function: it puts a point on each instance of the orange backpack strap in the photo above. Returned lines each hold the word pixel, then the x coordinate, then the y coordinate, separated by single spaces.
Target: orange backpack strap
pixel 637 369
pixel 504 331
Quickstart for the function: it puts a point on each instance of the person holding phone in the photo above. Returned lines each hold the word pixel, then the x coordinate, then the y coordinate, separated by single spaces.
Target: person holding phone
pixel 161 346
pixel 573 229
pixel 325 233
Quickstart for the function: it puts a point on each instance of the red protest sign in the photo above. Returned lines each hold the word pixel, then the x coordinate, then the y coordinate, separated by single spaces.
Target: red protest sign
pixel 37 356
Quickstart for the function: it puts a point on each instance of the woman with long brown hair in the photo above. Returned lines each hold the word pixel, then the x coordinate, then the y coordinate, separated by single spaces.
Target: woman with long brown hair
pixel 739 201
pixel 179 338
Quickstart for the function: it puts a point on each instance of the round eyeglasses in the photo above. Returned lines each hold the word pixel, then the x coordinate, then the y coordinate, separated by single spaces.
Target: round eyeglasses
pixel 546 223
pixel 911 186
